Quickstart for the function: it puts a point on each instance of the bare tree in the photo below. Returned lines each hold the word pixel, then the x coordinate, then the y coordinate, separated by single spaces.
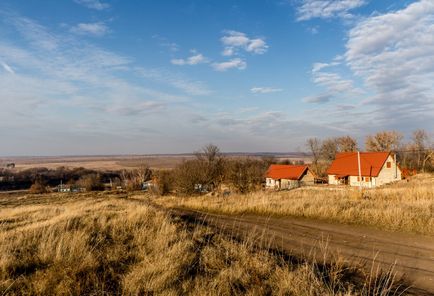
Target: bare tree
pixel 165 180
pixel 245 175
pixel 420 142
pixel 213 163
pixel 314 146
pixel 346 144
pixel 384 141
pixel 92 182
pixel 329 148
pixel 188 175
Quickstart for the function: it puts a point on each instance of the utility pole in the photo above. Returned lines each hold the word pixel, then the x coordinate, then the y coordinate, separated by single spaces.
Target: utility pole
pixel 360 170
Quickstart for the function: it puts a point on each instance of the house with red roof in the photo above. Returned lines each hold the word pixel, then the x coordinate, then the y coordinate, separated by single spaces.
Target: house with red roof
pixel 370 170
pixel 288 176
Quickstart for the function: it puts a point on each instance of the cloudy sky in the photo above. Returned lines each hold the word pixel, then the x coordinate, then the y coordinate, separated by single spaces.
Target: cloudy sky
pixel 119 77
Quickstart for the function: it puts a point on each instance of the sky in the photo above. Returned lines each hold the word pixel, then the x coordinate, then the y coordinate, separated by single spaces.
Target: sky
pixel 83 77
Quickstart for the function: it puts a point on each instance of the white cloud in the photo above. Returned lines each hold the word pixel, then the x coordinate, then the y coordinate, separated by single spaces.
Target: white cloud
pixel 318 99
pixel 7 67
pixel 264 90
pixel 236 63
pixel 228 51
pixel 393 54
pixel 93 4
pixel 96 29
pixel 310 9
pixel 334 83
pixel 234 41
pixel 192 60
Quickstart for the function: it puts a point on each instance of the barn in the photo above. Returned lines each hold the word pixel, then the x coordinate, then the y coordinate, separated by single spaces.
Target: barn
pixel 288 176
pixel 375 169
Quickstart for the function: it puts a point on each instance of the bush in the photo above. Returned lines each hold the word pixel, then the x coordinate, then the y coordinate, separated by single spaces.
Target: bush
pixel 164 182
pixel 91 182
pixel 245 175
pixel 38 187
pixel 188 175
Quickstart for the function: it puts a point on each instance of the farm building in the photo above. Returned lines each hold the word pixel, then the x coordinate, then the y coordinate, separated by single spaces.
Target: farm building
pixel 288 176
pixel 376 169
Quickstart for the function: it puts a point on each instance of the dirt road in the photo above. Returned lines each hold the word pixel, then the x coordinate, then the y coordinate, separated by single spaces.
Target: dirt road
pixel 411 255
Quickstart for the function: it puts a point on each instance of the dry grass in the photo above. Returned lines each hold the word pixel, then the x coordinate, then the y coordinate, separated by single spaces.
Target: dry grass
pixel 101 244
pixel 405 206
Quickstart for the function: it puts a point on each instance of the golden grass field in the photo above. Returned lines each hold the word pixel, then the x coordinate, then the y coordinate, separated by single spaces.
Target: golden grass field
pixel 100 163
pixel 105 244
pixel 404 206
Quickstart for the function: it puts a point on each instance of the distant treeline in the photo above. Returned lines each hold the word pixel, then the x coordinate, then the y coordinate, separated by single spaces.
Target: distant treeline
pixel 10 180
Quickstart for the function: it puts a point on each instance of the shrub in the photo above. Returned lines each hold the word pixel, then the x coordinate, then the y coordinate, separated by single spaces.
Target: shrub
pixel 38 187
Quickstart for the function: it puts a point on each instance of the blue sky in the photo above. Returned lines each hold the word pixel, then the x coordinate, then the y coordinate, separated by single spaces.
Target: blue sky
pixel 120 77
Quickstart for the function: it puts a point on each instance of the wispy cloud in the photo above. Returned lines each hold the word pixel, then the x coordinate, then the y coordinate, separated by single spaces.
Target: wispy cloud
pixel 63 72
pixel 164 42
pixel 178 81
pixel 333 83
pixel 393 54
pixel 318 99
pixel 233 41
pixel 195 59
pixel 95 29
pixel 93 4
pixel 264 90
pixel 310 9
pixel 236 63
pixel 7 68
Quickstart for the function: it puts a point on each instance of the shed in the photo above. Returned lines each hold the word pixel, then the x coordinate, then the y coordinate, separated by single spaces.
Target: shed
pixel 288 176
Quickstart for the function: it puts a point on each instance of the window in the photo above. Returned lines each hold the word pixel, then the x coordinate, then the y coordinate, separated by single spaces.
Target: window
pixel 388 164
pixel 336 178
pixel 367 179
pixel 358 179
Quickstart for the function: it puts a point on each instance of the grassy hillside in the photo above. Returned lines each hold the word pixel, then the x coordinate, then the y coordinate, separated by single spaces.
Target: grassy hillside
pixel 100 244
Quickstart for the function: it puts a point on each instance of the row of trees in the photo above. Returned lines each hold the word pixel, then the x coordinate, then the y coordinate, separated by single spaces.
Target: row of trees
pixel 418 153
pixel 209 170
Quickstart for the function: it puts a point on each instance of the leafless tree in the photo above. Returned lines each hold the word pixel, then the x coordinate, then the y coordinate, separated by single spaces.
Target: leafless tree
pixel 91 182
pixel 384 141
pixel 329 148
pixel 420 143
pixel 314 146
pixel 245 175
pixel 165 182
pixel 133 179
pixel 189 175
pixel 346 144
pixel 212 161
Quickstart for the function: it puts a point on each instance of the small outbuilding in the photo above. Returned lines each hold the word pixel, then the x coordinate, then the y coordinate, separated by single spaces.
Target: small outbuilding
pixel 288 176
pixel 365 169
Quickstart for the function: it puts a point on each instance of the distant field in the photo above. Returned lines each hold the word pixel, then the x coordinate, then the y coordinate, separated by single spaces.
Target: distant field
pixel 119 162
pixel 98 162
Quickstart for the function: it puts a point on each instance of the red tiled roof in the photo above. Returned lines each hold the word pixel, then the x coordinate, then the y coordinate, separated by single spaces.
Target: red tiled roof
pixel 346 164
pixel 290 172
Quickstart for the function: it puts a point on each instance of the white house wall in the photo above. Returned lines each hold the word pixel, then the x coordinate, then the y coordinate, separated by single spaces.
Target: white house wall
pixel 388 175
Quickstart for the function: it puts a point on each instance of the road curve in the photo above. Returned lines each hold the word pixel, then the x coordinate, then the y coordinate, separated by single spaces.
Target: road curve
pixel 411 255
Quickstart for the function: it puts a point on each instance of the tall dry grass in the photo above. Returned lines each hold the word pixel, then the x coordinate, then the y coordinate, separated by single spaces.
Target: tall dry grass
pixel 405 206
pixel 90 245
